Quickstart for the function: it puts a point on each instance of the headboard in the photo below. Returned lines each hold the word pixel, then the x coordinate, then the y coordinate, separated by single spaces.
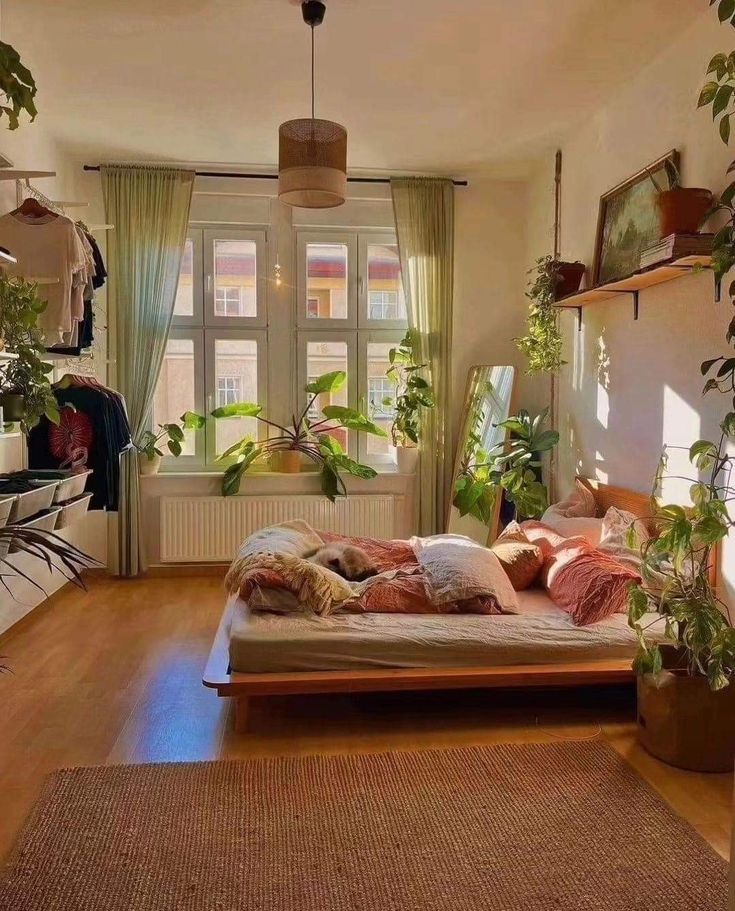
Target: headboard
pixel 640 505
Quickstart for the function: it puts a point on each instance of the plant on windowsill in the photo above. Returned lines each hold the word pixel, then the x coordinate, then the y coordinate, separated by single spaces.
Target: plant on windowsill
pixel 413 393
pixel 510 469
pixel 25 391
pixel 305 437
pixel 149 445
pixel 18 86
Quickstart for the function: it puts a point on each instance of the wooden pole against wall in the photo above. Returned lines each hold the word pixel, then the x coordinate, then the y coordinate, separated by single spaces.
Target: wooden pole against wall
pixel 552 383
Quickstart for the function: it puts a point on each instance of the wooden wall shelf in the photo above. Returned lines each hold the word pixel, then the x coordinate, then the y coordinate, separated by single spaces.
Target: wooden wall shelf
pixel 633 284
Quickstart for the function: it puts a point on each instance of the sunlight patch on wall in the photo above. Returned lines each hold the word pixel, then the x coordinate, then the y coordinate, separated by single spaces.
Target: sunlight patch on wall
pixel 681 427
pixel 603 406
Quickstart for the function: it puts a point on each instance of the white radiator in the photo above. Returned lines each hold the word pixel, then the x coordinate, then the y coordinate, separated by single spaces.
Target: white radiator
pixel 201 529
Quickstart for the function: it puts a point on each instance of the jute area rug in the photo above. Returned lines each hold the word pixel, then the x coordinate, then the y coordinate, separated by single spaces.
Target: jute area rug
pixel 529 827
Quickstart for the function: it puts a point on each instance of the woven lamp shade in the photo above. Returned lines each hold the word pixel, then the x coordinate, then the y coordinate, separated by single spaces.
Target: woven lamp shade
pixel 312 163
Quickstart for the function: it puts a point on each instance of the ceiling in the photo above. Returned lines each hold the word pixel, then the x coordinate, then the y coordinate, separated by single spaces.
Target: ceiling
pixel 421 85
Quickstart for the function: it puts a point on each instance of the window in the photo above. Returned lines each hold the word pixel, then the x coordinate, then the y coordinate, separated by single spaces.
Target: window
pixel 216 350
pixel 229 390
pixel 350 312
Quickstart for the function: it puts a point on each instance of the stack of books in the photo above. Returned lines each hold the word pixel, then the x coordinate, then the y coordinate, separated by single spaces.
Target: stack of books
pixel 676 246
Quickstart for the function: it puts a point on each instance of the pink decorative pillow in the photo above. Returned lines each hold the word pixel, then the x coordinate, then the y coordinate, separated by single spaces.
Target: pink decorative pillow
pixel 542 536
pixel 579 504
pixel 586 583
pixel 575 526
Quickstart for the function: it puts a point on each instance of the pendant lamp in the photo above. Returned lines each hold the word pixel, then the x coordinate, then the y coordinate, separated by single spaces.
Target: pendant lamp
pixel 312 153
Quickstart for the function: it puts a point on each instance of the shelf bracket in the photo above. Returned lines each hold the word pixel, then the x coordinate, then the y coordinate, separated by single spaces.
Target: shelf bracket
pixel 635 304
pixel 579 319
pixel 718 288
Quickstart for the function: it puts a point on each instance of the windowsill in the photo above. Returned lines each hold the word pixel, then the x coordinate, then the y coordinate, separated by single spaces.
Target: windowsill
pixel 209 473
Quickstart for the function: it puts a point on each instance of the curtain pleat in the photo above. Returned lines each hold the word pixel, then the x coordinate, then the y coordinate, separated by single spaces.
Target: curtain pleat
pixel 424 215
pixel 150 210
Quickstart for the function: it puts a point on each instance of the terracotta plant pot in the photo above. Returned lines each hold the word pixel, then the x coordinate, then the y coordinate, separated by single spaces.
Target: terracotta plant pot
pixel 13 405
pixel 684 723
pixel 148 466
pixel 287 461
pixel 407 458
pixel 569 278
pixel 682 210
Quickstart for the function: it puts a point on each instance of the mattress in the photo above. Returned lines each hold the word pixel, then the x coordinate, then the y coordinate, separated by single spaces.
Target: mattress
pixel 540 634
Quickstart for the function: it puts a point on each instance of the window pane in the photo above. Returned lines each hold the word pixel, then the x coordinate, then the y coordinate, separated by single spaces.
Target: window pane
pixel 235 273
pixel 325 357
pixel 326 281
pixel 385 290
pixel 379 388
pixel 175 390
pixel 235 380
pixel 184 305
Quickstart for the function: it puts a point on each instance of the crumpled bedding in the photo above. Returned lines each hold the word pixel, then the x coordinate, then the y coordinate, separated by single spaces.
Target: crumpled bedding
pixel 440 574
pixel 540 634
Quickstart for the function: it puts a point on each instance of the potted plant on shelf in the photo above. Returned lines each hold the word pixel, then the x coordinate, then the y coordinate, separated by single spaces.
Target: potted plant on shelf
pixel 413 393
pixel 149 445
pixel 18 86
pixel 681 210
pixel 542 343
pixel 511 469
pixel 25 391
pixel 305 437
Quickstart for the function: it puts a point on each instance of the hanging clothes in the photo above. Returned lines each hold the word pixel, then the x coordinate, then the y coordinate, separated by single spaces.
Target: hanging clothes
pixel 92 433
pixel 48 245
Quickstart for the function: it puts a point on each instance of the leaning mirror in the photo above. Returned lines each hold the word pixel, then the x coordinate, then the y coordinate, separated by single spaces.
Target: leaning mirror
pixel 475 508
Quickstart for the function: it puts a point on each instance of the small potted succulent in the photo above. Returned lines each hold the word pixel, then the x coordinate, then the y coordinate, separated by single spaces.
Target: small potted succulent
pixel 681 210
pixel 413 393
pixel 306 437
pixel 149 445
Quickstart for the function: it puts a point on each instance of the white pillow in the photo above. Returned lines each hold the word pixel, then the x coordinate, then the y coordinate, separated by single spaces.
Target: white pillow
pixel 576 527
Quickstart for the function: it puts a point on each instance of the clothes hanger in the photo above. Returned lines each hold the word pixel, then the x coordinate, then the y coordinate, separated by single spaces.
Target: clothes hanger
pixel 32 208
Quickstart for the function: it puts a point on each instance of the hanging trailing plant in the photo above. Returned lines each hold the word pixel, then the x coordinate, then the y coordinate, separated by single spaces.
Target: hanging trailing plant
pixel 18 86
pixel 542 344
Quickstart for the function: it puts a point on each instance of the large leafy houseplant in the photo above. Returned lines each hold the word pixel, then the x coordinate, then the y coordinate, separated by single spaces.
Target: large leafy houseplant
pixel 27 373
pixel 509 469
pixel 413 393
pixel 17 85
pixel 311 438
pixel 542 343
pixel 150 442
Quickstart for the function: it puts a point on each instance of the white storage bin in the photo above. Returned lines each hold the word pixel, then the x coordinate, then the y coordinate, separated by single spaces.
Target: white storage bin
pixel 73 510
pixel 32 502
pixel 44 521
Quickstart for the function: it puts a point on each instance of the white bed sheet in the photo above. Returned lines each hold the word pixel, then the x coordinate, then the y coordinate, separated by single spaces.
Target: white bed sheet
pixel 540 634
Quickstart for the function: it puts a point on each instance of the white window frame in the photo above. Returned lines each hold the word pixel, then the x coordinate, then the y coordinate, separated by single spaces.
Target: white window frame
pixel 196 320
pixel 189 462
pixel 343 238
pixel 258 237
pixel 210 377
pixel 368 239
pixel 364 338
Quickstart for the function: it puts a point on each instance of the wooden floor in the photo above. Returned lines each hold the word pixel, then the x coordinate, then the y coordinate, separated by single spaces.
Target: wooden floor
pixel 114 676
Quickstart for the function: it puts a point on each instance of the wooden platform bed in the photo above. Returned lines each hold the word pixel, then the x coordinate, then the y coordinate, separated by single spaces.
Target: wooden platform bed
pixel 242 686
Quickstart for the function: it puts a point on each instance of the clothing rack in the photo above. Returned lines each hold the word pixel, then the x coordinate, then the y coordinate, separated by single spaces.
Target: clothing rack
pixel 24 189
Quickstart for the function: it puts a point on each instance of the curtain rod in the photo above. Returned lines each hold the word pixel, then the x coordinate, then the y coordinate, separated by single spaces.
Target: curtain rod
pixel 239 174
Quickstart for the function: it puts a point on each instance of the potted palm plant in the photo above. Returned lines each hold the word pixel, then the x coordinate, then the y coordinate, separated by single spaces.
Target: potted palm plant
pixel 312 439
pixel 413 393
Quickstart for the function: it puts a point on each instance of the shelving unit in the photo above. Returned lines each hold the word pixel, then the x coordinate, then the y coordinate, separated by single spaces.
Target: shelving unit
pixel 633 284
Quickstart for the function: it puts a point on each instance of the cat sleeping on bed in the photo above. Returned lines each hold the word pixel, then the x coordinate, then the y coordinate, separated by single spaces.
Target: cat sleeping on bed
pixel 348 561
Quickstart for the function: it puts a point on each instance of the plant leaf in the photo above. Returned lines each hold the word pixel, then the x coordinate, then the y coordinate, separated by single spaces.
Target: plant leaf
pixel 238 410
pixel 327 382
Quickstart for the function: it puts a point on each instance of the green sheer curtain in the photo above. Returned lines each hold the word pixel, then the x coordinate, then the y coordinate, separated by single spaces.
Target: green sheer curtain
pixel 149 208
pixel 424 214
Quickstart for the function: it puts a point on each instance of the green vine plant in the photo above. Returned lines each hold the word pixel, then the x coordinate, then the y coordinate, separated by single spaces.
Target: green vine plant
pixel 174 434
pixel 675 570
pixel 311 438
pixel 18 86
pixel 484 474
pixel 27 374
pixel 413 393
pixel 542 343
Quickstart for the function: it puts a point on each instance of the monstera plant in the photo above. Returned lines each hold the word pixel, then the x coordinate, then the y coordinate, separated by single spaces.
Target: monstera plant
pixel 312 438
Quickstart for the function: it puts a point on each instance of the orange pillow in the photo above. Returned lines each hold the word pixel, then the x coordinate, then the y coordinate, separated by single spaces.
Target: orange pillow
pixel 521 560
pixel 586 583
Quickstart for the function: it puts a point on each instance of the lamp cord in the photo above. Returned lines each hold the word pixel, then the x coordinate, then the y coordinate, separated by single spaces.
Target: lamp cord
pixel 312 72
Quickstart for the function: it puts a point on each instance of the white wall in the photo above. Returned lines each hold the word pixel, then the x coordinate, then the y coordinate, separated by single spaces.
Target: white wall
pixel 630 387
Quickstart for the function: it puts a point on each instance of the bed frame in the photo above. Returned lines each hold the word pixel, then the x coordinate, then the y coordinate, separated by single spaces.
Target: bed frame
pixel 241 687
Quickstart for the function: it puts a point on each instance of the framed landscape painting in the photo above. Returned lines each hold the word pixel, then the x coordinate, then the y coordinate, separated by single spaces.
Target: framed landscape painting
pixel 628 222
